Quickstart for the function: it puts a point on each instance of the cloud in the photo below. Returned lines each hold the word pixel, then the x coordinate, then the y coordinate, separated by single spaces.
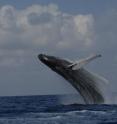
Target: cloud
pixel 43 25
pixel 38 27
pixel 84 26
pixel 7 19
pixel 36 19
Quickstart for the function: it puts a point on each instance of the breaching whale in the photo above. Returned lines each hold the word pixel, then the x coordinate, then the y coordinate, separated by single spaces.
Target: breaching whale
pixel 85 82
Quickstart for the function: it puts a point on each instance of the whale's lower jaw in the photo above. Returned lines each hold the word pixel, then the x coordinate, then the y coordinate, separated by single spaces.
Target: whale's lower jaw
pixel 80 79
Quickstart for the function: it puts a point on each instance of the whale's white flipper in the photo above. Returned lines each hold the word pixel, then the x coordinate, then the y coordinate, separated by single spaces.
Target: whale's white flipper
pixel 79 64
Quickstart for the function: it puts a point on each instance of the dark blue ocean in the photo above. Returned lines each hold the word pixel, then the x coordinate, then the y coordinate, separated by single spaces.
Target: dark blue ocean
pixel 48 109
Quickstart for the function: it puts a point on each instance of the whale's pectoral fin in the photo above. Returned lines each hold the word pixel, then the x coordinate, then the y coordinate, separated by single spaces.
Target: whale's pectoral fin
pixel 79 64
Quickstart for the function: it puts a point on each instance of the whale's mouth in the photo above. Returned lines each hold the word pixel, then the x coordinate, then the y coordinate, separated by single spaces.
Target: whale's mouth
pixel 43 57
pixel 50 61
pixel 55 63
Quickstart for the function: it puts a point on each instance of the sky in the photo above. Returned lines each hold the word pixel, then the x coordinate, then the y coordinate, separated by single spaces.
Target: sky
pixel 70 29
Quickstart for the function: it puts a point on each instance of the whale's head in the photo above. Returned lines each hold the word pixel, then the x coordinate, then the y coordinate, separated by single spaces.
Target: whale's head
pixel 54 63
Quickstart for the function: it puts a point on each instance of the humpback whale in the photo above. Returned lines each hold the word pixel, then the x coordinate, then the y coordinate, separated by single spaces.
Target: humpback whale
pixel 85 82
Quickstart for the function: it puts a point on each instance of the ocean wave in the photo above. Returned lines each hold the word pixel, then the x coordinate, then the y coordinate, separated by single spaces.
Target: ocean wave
pixel 71 117
pixel 45 110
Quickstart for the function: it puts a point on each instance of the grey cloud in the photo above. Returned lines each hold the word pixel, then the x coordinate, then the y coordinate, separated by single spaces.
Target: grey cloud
pixel 61 29
pixel 8 18
pixel 36 19
pixel 38 28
